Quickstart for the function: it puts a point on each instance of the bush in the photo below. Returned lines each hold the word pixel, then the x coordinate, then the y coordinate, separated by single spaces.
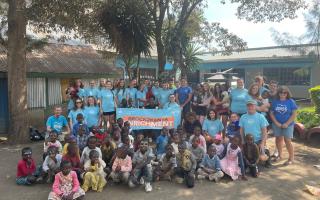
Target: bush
pixel 315 97
pixel 308 118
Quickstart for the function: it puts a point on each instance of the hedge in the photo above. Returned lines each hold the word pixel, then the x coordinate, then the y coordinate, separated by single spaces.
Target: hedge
pixel 315 97
pixel 308 118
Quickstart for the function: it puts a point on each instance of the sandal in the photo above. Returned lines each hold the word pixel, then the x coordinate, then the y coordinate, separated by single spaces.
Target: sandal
pixel 288 162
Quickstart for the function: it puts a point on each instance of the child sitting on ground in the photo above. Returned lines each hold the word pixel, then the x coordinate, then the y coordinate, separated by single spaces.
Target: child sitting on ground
pixel 137 141
pixel 94 176
pixel 26 168
pixel 142 168
pixel 233 128
pixel 251 155
pixel 108 148
pixel 186 166
pixel 73 157
pixel 190 123
pixel 210 166
pixel 232 162
pixel 217 143
pixel 197 152
pixel 161 142
pixel 82 138
pixel 92 145
pixel 122 166
pixel 52 140
pixel 116 136
pixel 120 122
pixel 66 185
pixel 197 133
pixel 68 140
pixel 80 122
pixel 51 164
pixel 175 140
pixel 167 163
pixel 126 143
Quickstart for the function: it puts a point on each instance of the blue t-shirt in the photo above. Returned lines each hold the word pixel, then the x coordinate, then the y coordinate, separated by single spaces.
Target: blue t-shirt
pixel 252 124
pixel 262 89
pixel 92 113
pixel 57 123
pixel 162 141
pixel 120 94
pixel 173 108
pixel 283 110
pixel 239 98
pixel 94 92
pixel 73 115
pixel 213 127
pixel 106 97
pixel 81 93
pixel 163 96
pixel 131 94
pixel 183 94
pixel 156 92
pixel 140 95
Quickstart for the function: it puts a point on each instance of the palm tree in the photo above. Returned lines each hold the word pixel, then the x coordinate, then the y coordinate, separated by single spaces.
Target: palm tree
pixel 128 28
pixel 191 58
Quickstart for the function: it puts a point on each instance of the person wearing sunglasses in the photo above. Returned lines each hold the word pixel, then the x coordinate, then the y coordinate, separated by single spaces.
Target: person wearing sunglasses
pixel 78 108
pixel 283 112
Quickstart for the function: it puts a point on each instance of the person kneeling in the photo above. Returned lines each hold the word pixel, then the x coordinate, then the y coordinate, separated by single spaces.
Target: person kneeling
pixel 122 166
pixel 210 166
pixel 142 170
pixel 186 166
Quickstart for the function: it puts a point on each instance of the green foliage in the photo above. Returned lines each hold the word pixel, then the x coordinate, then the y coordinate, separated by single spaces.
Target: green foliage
pixel 191 59
pixel 315 97
pixel 308 118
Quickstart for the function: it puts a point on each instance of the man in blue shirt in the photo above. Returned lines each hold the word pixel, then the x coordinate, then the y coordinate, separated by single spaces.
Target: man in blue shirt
pixel 254 123
pixel 184 96
pixel 92 90
pixel 57 122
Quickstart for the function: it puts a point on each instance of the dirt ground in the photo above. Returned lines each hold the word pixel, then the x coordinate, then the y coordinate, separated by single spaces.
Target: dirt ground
pixel 280 182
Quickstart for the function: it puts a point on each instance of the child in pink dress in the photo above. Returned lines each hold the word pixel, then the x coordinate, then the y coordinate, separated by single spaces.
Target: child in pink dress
pixel 232 162
pixel 66 185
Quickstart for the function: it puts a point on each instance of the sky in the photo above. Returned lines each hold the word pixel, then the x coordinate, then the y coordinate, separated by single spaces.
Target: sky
pixel 255 34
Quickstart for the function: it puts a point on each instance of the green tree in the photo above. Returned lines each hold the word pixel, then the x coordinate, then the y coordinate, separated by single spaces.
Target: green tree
pixel 191 58
pixel 128 29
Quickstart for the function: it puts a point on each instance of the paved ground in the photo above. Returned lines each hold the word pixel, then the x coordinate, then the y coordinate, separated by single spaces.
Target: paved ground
pixel 277 183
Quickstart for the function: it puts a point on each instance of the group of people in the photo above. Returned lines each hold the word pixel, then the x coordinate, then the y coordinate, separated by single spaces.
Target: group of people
pixel 223 133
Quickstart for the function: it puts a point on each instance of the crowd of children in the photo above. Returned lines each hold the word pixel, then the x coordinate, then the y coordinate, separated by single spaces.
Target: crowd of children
pixel 204 146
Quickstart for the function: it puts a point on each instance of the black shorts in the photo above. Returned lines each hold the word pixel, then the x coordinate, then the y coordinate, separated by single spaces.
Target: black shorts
pixel 109 113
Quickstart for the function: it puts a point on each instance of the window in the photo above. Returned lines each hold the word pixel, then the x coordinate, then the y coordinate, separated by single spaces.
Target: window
pixel 288 76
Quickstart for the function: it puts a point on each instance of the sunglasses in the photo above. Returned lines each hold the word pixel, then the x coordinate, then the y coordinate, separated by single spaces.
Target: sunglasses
pixel 78 102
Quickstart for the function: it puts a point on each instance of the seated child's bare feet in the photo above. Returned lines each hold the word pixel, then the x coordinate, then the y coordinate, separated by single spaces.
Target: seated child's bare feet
pixel 243 178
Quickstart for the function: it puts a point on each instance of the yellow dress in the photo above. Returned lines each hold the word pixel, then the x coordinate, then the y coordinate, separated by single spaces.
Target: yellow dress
pixel 94 177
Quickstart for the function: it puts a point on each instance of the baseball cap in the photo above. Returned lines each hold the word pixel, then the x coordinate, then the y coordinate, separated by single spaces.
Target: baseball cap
pixel 252 102
pixel 218 137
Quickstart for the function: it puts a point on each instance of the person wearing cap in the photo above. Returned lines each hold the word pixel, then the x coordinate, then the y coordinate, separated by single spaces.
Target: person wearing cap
pixel 238 97
pixel 26 168
pixel 254 123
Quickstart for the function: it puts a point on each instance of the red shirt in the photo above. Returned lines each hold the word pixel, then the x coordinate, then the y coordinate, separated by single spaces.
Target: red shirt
pixel 75 161
pixel 23 169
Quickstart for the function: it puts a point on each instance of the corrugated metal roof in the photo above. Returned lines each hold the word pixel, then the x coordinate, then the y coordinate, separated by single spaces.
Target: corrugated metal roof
pixel 261 53
pixel 61 58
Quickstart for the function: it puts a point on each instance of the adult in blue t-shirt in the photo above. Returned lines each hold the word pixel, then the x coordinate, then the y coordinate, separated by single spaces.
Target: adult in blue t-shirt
pixel 121 94
pixel 212 125
pixel 156 91
pixel 57 122
pixel 92 112
pixel 239 97
pixel 164 94
pixel 175 110
pixel 283 113
pixel 184 96
pixel 131 92
pixel 79 108
pixel 92 91
pixel 141 97
pixel 107 103
pixel 254 123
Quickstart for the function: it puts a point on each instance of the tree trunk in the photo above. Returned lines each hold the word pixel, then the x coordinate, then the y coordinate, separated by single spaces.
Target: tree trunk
pixel 160 51
pixel 17 73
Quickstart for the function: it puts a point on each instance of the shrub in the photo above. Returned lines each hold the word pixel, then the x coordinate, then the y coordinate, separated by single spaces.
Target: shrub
pixel 308 118
pixel 315 97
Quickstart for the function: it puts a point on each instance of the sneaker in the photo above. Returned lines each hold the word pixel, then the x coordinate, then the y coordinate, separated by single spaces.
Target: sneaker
pixel 201 177
pixel 141 181
pixel 211 177
pixel 148 187
pixel 179 180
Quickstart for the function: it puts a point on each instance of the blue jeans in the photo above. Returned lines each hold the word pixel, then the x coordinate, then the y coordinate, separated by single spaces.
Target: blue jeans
pixel 145 172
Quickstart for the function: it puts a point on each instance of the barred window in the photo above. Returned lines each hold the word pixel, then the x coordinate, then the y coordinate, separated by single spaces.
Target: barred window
pixel 288 76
